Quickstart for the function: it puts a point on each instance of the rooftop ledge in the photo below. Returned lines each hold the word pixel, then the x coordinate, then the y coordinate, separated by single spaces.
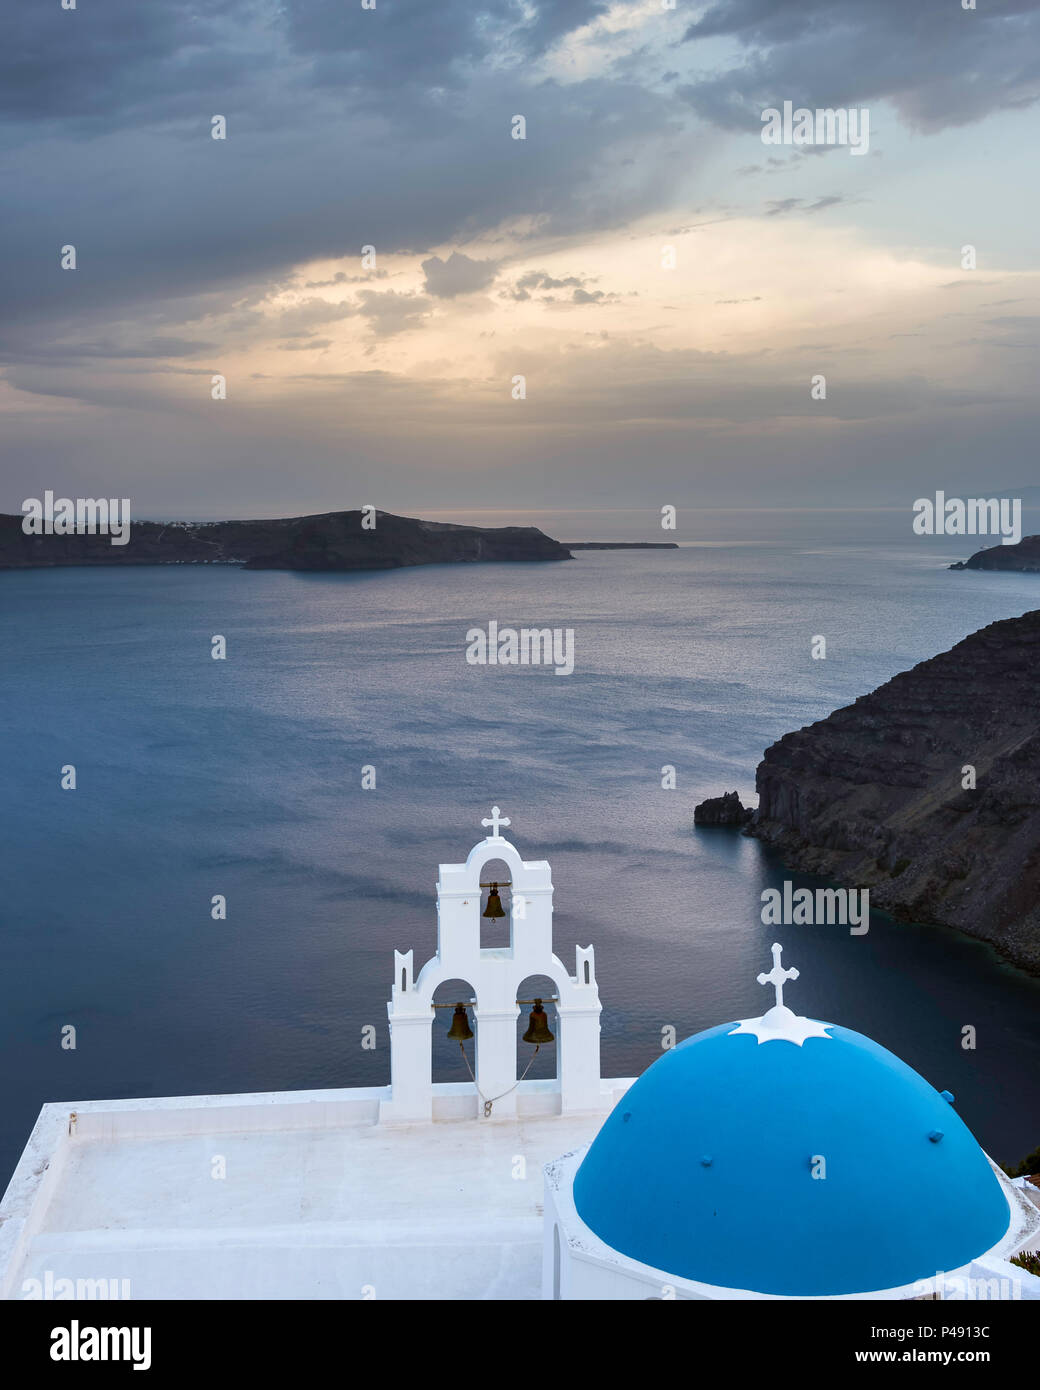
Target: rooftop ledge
pixel 317 1198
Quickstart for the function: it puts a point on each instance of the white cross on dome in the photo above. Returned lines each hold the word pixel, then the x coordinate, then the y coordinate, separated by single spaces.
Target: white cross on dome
pixel 778 976
pixel 780 1024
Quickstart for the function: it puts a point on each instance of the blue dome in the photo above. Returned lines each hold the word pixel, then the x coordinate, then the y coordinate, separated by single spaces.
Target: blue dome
pixel 703 1170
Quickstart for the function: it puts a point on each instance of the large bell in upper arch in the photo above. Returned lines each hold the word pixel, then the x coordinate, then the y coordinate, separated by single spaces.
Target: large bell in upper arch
pixel 494 904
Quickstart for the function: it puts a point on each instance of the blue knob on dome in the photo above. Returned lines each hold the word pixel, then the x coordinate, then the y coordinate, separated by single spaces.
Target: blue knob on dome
pixel 935 1136
pixel 706 1160
pixel 947 1097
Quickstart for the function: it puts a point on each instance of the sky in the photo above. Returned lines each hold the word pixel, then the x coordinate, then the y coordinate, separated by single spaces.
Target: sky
pixel 666 284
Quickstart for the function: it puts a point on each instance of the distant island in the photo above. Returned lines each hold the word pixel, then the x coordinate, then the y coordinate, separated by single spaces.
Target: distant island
pixel 329 541
pixel 926 791
pixel 621 545
pixel 1024 557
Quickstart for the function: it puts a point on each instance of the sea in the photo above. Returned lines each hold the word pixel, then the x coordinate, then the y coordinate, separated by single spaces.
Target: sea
pixel 243 779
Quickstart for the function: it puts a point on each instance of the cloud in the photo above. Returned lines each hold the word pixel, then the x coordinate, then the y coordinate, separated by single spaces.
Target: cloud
pixel 541 280
pixel 349 127
pixel 389 311
pixel 94 67
pixel 342 278
pixel 457 275
pixel 149 348
pixel 163 213
pixel 299 320
pixel 779 207
pixel 698 423
pixel 939 65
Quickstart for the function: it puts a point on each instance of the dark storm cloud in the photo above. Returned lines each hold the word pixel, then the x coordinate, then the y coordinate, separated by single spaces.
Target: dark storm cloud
pixel 110 58
pixel 107 144
pixel 418 42
pixel 939 65
pixel 119 161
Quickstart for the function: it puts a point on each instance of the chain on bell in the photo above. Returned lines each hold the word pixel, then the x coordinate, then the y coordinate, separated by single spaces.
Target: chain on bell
pixel 494 904
pixel 460 1029
pixel 538 1026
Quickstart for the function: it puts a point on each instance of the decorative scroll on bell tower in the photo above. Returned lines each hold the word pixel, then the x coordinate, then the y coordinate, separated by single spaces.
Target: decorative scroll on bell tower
pixel 495 976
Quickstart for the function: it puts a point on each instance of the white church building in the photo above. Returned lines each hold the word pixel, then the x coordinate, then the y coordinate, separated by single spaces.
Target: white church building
pixel 498 1187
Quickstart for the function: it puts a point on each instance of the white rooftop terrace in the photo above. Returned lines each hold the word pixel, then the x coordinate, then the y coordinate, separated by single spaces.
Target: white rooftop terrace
pixel 319 1200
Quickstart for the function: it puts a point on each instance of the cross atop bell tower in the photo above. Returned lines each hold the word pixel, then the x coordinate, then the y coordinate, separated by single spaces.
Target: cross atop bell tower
pixel 495 820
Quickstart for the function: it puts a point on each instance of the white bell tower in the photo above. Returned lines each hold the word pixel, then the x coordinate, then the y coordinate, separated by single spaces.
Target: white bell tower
pixel 495 975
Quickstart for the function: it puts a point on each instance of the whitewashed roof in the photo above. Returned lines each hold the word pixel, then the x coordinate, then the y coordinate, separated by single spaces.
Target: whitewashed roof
pixel 318 1201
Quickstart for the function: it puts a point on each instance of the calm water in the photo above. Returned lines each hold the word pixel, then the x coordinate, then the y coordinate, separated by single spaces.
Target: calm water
pixel 243 778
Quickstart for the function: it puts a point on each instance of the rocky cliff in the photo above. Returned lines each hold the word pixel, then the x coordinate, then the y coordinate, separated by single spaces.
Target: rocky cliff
pixel 1023 556
pixel 725 810
pixel 874 796
pixel 332 541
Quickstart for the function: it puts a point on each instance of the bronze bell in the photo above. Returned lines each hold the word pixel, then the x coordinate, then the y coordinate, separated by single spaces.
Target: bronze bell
pixel 460 1029
pixel 538 1026
pixel 494 904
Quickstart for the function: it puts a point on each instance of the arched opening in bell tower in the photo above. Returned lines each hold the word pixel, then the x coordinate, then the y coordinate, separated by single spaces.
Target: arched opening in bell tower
pixel 496 906
pixel 543 1065
pixel 447 1061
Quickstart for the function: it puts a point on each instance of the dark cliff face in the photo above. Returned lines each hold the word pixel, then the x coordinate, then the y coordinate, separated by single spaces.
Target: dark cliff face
pixel 1025 556
pixel 873 795
pixel 333 541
